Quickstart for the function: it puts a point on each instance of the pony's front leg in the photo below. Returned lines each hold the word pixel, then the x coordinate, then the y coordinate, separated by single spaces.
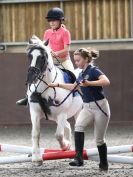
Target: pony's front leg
pixel 36 155
pixel 63 132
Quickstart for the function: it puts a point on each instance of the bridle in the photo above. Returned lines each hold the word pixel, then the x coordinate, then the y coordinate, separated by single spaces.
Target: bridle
pixel 41 75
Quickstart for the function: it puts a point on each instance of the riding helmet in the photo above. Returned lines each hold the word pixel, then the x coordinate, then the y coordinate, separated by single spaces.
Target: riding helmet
pixel 55 14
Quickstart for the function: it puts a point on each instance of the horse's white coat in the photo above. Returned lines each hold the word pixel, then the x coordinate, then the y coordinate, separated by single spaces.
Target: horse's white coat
pixel 35 55
pixel 69 108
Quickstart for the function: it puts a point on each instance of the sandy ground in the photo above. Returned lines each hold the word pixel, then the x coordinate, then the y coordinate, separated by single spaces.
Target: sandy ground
pixel 21 135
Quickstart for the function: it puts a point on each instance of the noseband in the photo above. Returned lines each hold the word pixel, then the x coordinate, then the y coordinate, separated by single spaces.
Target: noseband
pixel 37 74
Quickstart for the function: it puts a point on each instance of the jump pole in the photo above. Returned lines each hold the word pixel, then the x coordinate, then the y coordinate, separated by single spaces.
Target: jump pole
pixel 64 155
pixel 23 149
pixel 71 154
pixel 90 152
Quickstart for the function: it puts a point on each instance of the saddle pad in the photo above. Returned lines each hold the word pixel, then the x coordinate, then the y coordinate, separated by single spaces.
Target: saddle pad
pixel 69 77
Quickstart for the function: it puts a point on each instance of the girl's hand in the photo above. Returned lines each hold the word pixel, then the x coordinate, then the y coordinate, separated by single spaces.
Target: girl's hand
pixel 84 83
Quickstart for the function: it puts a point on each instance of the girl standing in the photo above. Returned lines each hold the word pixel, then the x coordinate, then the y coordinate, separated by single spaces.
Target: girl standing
pixel 96 108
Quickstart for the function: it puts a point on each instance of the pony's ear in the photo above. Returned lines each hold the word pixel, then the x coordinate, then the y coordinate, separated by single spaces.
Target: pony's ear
pixel 46 42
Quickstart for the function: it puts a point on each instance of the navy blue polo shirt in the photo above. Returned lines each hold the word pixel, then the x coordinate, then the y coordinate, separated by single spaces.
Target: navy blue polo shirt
pixel 90 93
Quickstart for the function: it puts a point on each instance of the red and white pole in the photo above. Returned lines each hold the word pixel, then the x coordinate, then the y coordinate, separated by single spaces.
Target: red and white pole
pixel 116 159
pixel 64 155
pixel 23 149
pixel 90 152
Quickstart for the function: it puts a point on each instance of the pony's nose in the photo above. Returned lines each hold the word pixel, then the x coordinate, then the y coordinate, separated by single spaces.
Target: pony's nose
pixel 32 75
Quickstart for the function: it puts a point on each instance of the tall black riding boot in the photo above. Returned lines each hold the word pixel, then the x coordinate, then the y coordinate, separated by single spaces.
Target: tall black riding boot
pixel 79 144
pixel 103 166
pixel 22 102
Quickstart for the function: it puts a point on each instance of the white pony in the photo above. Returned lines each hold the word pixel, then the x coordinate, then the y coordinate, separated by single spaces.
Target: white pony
pixel 55 104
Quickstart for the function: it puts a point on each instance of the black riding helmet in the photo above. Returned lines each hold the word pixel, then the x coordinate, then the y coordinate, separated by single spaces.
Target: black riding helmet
pixel 55 14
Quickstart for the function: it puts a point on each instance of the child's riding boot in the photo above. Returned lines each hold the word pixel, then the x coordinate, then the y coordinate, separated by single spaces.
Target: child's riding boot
pixel 22 102
pixel 103 166
pixel 79 144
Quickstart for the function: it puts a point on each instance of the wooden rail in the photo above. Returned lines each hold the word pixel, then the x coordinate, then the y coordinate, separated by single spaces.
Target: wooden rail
pixel 86 19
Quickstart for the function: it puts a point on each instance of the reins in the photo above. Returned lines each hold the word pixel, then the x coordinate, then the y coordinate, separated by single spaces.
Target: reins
pixel 59 62
pixel 54 104
pixel 40 78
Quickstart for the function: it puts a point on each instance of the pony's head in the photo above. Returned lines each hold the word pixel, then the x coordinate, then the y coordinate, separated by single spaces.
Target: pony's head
pixel 38 54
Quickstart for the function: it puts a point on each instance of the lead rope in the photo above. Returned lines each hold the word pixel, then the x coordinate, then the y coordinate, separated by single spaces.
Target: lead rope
pixel 85 78
pixel 101 108
pixel 66 96
pixel 98 104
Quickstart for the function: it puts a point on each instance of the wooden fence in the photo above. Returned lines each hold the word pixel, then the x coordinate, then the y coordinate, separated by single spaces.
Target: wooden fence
pixel 86 19
pixel 116 64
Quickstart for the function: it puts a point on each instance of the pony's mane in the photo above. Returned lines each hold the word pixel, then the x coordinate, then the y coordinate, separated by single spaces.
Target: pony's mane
pixel 31 47
pixel 35 42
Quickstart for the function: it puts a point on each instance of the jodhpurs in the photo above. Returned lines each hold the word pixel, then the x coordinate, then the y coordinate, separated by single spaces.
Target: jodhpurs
pixel 92 114
pixel 66 63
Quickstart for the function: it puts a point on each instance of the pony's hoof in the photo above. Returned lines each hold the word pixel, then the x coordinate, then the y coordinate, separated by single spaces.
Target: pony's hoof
pixel 66 147
pixel 37 159
pixel 38 163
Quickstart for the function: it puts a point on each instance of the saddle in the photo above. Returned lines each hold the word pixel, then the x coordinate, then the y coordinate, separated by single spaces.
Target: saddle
pixel 69 77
